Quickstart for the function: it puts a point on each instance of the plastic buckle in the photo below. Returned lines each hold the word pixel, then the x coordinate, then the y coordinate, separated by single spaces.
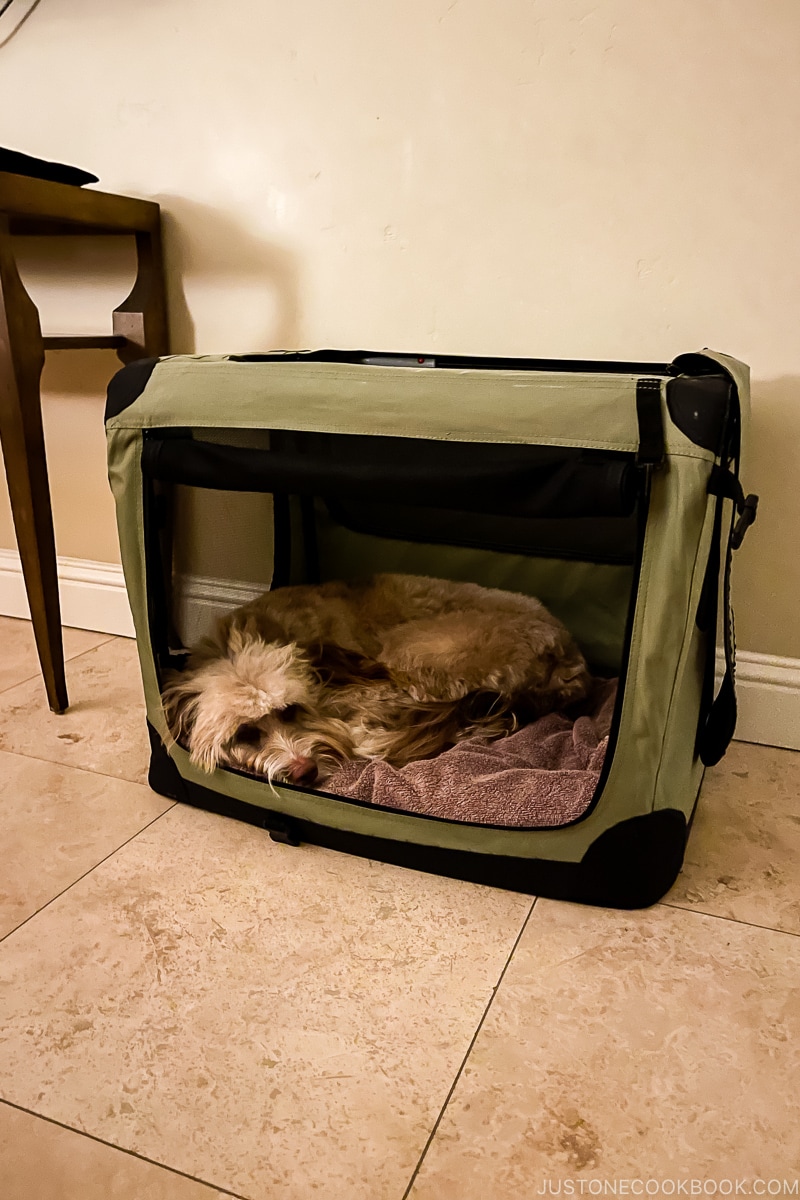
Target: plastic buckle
pixel 746 518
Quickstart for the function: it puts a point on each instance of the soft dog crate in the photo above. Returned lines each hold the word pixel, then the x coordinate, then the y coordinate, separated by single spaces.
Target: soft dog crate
pixel 610 490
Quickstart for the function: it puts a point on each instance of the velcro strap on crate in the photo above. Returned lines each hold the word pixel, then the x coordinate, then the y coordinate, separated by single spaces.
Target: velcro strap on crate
pixel 650 418
pixel 718 715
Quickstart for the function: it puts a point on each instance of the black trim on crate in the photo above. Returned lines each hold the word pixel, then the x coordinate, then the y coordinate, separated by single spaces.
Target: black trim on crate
pixel 158 610
pixel 127 386
pixel 281 541
pixel 698 406
pixel 459 362
pixel 631 865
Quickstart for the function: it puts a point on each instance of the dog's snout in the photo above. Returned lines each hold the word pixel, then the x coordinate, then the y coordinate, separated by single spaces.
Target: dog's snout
pixel 302 770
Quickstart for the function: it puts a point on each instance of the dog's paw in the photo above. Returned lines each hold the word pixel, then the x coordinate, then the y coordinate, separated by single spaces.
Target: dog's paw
pixel 569 682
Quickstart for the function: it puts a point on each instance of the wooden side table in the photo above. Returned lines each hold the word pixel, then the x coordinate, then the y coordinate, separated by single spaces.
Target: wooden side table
pixel 35 206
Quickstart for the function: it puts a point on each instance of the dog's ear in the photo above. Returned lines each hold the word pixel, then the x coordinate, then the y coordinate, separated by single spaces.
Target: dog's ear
pixel 178 699
pixel 214 728
pixel 208 713
pixel 199 716
pixel 206 707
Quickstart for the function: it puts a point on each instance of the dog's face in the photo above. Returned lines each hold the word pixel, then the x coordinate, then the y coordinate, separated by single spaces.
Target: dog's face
pixel 257 709
pixel 292 745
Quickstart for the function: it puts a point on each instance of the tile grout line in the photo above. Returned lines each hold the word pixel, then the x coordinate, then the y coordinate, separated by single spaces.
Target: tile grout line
pixel 699 912
pixel 465 1059
pixel 122 1150
pixel 56 762
pixel 38 675
pixel 99 863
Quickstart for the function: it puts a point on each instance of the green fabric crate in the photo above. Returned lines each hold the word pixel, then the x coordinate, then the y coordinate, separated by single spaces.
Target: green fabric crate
pixel 632 553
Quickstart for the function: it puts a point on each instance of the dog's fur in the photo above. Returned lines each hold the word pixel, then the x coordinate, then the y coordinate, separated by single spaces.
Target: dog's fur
pixel 399 667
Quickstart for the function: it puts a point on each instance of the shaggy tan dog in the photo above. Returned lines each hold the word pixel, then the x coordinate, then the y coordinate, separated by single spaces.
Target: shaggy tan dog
pixel 398 667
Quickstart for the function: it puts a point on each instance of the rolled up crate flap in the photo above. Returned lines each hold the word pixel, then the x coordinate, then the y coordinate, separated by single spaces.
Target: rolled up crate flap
pixel 529 408
pixel 513 480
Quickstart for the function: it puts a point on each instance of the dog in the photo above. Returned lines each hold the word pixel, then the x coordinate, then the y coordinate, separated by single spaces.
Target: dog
pixel 396 667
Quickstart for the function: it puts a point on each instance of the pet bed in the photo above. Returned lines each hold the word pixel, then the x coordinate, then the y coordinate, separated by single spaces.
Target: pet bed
pixel 544 774
pixel 608 490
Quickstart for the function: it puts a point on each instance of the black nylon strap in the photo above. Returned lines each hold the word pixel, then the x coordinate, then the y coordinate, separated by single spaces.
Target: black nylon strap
pixel 706 621
pixel 651 423
pixel 718 715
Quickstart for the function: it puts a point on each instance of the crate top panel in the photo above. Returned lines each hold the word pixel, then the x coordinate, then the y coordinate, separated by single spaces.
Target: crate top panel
pixel 592 409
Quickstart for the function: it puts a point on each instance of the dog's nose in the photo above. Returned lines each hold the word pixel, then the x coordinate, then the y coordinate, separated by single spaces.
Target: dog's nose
pixel 302 770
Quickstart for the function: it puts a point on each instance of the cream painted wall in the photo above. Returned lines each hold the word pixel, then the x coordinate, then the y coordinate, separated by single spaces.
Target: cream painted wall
pixel 543 177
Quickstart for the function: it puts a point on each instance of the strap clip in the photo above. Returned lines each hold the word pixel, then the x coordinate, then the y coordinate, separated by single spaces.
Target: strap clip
pixel 747 515
pixel 724 483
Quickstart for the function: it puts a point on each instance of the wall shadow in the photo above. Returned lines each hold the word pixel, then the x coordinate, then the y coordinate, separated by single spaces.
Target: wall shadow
pixel 203 241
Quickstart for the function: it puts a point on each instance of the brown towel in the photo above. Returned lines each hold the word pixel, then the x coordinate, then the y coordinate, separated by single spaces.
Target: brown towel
pixel 545 774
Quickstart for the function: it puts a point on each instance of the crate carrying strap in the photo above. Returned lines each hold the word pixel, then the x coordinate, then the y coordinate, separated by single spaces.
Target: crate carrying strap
pixel 718 714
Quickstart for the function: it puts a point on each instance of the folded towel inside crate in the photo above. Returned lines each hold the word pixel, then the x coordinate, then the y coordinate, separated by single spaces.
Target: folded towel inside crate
pixel 543 775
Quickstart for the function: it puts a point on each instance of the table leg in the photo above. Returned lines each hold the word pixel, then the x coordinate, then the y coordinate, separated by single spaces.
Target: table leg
pixel 22 440
pixel 142 317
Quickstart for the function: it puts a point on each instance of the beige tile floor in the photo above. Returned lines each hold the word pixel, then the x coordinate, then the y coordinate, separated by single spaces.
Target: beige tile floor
pixel 190 1011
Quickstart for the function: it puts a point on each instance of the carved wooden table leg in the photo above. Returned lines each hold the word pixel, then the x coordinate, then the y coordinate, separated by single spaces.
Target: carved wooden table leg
pixel 142 318
pixel 22 439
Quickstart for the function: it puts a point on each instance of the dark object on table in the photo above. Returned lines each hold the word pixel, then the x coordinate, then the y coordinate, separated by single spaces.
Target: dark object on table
pixel 38 168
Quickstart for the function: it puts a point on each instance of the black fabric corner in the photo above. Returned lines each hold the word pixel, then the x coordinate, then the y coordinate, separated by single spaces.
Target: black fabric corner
pixel 635 863
pixel 699 406
pixel 631 865
pixel 695 363
pixel 127 385
pixel 163 776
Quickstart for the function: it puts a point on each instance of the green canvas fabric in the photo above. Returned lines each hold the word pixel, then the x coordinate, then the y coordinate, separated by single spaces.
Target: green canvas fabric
pixel 523 407
pixel 653 763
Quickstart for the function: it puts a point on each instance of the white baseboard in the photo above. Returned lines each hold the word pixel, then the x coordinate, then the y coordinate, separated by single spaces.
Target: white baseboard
pixel 93 597
pixel 768 698
pixel 92 594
